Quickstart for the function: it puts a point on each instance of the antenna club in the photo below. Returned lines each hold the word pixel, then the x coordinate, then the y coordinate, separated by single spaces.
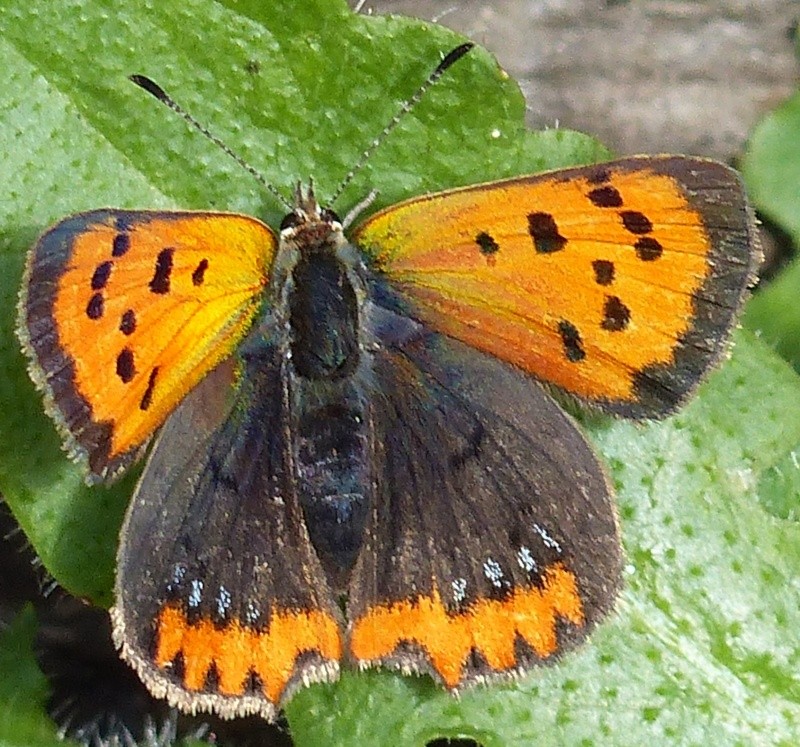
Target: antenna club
pixel 161 95
pixel 150 86
pixel 453 56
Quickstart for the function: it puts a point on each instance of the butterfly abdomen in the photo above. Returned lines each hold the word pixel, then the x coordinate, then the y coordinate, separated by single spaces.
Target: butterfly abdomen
pixel 330 438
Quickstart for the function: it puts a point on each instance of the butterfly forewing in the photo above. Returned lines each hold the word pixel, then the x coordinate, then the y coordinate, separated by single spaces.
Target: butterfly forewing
pixel 125 312
pixel 617 282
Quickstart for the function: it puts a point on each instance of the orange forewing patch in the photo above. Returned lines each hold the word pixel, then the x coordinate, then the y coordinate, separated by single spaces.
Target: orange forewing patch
pixel 482 280
pixel 167 310
pixel 236 650
pixel 488 626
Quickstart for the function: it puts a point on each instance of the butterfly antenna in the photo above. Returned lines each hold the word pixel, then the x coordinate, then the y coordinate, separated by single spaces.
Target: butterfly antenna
pixel 159 93
pixel 449 59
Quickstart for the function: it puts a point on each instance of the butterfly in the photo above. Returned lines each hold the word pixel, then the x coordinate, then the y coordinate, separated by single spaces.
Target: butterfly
pixel 352 458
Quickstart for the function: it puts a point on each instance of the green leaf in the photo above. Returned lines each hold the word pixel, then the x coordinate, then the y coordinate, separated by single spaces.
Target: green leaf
pixel 23 689
pixel 703 648
pixel 771 168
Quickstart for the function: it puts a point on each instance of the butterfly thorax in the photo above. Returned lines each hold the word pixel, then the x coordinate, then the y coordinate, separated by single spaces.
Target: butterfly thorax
pixel 324 369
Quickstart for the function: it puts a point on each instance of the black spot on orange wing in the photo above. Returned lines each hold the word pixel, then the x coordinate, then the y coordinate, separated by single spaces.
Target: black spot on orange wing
pixel 635 222
pixel 199 274
pixel 605 197
pixel 120 245
pixel 126 367
pixel 544 231
pixel 648 248
pixel 127 324
pixel 160 282
pixel 573 344
pixel 147 397
pixel 101 275
pixel 603 271
pixel 616 315
pixel 95 307
pixel 487 244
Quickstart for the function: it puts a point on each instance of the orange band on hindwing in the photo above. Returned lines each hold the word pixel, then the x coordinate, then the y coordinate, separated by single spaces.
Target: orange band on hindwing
pixel 488 626
pixel 237 651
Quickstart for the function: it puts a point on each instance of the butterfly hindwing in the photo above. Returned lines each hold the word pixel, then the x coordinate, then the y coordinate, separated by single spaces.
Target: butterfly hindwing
pixel 123 312
pixel 618 282
pixel 231 612
pixel 493 541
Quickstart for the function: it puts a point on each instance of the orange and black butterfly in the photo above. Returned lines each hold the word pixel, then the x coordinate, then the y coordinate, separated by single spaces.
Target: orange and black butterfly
pixel 362 415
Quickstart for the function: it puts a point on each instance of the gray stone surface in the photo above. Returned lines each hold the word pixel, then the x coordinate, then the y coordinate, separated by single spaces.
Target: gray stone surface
pixel 645 76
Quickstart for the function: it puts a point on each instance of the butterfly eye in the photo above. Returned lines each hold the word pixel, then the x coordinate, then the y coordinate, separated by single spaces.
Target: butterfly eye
pixel 329 216
pixel 292 220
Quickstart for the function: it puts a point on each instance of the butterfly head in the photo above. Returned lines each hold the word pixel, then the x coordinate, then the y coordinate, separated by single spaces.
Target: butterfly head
pixel 308 226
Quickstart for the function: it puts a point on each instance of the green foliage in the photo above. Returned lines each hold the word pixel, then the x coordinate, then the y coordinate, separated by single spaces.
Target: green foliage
pixel 771 168
pixel 23 689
